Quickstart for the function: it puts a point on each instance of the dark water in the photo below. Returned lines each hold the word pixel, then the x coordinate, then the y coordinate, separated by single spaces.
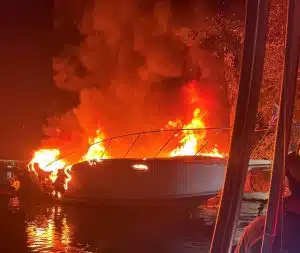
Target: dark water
pixel 49 227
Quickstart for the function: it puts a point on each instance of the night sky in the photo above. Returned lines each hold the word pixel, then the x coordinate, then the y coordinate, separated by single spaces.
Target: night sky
pixel 27 89
pixel 28 94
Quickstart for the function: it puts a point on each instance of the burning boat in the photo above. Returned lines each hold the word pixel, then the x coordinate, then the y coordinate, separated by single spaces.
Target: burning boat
pixel 185 181
pixel 186 175
pixel 98 178
pixel 132 181
pixel 116 181
pixel 186 170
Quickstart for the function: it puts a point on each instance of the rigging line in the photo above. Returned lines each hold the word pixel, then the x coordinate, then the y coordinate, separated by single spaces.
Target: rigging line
pixel 261 140
pixel 205 143
pixel 131 146
pixel 149 132
pixel 267 111
pixel 168 141
pixel 179 129
pixel 62 157
pixel 109 142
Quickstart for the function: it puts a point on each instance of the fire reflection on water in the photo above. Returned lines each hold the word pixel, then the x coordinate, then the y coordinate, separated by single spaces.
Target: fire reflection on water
pixel 81 229
pixel 49 230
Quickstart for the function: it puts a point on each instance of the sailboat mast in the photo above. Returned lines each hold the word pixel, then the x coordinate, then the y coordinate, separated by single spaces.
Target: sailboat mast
pixel 244 124
pixel 284 124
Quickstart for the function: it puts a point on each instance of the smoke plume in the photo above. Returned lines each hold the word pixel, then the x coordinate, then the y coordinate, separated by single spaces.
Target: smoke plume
pixel 133 67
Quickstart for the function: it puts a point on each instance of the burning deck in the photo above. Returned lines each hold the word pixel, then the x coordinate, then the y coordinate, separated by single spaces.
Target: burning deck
pixel 180 165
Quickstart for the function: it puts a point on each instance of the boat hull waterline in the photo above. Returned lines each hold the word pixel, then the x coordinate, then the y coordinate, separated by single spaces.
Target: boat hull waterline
pixel 170 181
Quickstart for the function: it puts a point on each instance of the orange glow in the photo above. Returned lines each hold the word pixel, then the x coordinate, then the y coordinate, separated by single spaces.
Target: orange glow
pixel 68 179
pixel 48 161
pixel 191 140
pixel 96 151
pixel 189 144
pixel 213 153
pixel 42 231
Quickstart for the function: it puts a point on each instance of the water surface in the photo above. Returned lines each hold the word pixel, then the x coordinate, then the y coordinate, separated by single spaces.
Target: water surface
pixel 50 227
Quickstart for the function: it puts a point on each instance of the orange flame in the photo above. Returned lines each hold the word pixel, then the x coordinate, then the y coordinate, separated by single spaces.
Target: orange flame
pixel 48 161
pixel 189 144
pixel 191 139
pixel 213 153
pixel 68 179
pixel 97 149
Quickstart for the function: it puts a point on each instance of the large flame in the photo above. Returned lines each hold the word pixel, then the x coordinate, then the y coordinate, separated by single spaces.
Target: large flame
pixel 190 143
pixel 97 150
pixel 191 139
pixel 48 161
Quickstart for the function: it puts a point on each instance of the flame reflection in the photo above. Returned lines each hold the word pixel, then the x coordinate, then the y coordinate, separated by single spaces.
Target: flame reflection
pixel 49 231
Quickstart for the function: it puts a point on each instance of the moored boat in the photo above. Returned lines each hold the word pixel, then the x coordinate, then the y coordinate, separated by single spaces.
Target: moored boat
pixel 182 181
pixel 132 181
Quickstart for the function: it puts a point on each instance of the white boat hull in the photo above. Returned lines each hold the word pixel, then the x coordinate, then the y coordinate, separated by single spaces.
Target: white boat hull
pixel 117 181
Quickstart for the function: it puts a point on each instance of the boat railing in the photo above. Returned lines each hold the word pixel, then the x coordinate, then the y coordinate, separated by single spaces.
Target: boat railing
pixel 173 133
pixel 163 149
pixel 167 136
pixel 166 142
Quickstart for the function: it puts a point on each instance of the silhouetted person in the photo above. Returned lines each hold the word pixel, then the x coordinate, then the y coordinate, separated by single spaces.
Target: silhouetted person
pixel 288 226
pixel 261 208
pixel 60 181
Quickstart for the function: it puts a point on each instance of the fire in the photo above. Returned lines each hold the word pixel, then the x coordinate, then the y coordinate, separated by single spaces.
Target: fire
pixel 191 139
pixel 97 148
pixel 67 170
pixel 48 161
pixel 213 153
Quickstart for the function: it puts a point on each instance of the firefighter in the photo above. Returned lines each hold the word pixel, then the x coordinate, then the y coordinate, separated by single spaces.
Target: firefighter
pixel 287 238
